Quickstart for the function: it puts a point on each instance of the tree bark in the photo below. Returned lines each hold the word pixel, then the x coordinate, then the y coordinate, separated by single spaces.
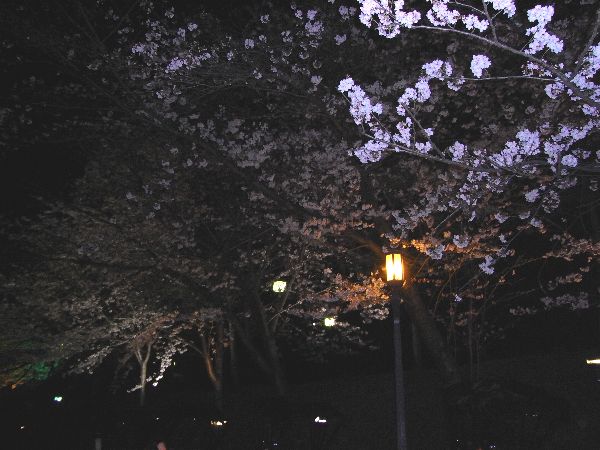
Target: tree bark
pixel 143 362
pixel 270 345
pixel 219 365
pixel 430 335
pixel 416 346
pixel 233 362
pixel 266 358
pixel 143 385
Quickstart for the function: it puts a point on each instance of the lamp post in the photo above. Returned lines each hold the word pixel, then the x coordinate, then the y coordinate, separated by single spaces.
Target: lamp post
pixel 395 278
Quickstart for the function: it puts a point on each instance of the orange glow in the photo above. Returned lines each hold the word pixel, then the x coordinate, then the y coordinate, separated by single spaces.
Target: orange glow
pixel 394 267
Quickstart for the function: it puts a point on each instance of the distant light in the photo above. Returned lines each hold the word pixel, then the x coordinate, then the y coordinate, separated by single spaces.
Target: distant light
pixel 329 321
pixel 319 420
pixel 593 361
pixel 279 286
pixel 157 418
pixel 217 423
pixel 58 398
pixel 22 427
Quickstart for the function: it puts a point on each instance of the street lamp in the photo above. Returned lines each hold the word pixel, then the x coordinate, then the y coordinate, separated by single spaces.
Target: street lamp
pixel 395 276
pixel 279 286
pixel 329 321
pixel 394 267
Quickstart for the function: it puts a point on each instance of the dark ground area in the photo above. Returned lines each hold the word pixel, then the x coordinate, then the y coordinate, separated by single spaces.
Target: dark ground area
pixel 545 402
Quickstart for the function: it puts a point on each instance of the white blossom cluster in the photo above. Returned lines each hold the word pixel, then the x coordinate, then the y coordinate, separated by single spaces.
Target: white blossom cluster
pixel 573 302
pixel 522 154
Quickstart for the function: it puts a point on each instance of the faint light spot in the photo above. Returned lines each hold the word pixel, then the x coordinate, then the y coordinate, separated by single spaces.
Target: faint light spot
pixel 319 420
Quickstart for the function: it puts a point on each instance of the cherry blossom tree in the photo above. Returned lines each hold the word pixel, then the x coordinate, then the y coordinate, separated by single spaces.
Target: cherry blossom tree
pixel 224 159
pixel 503 177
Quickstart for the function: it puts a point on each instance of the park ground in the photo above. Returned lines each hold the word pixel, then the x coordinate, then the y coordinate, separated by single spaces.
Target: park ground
pixel 557 406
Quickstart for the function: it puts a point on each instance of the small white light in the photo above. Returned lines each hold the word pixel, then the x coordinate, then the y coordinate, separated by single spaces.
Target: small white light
pixel 319 420
pixel 218 423
pixel 157 418
pixel 22 427
pixel 58 398
pixel 329 321
pixel 279 286
pixel 593 361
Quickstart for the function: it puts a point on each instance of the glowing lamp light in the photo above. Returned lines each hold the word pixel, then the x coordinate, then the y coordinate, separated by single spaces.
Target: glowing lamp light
pixel 279 286
pixel 394 267
pixel 58 398
pixel 218 423
pixel 592 361
pixel 320 420
pixel 329 321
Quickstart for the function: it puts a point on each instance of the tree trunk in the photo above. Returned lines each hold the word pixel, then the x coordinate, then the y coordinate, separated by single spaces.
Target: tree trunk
pixel 416 346
pixel 143 362
pixel 266 359
pixel 214 368
pixel 430 335
pixel 143 374
pixel 219 365
pixel 270 345
pixel 233 362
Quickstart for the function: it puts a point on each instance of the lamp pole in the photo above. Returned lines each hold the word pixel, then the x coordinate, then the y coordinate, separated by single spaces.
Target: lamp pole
pixel 398 369
pixel 395 278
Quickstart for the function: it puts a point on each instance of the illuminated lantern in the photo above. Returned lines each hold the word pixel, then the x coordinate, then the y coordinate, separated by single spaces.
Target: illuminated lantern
pixel 329 321
pixel 394 267
pixel 279 286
